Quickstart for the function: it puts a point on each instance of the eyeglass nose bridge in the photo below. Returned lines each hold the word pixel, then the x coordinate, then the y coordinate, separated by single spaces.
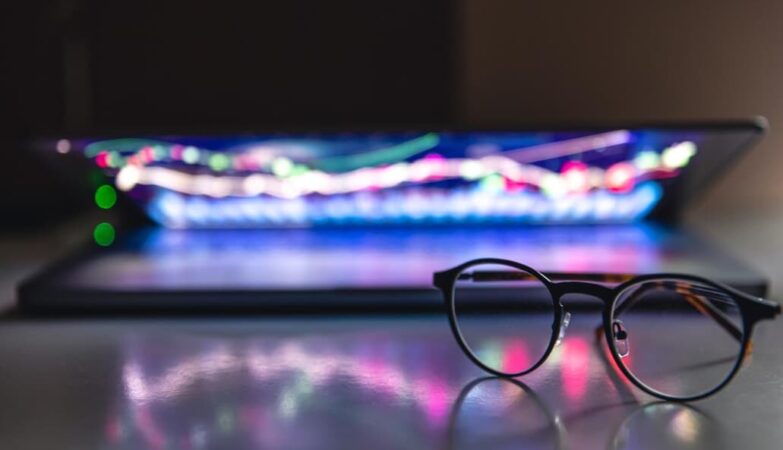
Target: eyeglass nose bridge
pixel 598 291
pixel 562 288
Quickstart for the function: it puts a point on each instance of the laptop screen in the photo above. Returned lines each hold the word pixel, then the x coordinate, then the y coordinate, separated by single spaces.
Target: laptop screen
pixel 613 176
pixel 274 186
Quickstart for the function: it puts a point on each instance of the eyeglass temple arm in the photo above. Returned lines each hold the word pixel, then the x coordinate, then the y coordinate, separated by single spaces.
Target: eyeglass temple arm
pixel 696 297
pixel 502 275
pixel 690 293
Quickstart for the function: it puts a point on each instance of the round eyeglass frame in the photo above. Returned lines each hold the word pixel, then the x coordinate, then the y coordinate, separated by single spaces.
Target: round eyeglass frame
pixel 752 310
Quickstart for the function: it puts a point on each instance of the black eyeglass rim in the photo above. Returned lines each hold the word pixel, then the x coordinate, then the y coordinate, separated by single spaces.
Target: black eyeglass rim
pixel 740 357
pixel 453 322
pixel 752 310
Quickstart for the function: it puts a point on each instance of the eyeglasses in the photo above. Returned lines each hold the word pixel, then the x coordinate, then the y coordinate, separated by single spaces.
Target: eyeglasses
pixel 676 337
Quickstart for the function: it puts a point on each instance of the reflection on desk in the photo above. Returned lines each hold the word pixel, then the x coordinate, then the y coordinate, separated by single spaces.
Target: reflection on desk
pixel 393 384
pixel 505 413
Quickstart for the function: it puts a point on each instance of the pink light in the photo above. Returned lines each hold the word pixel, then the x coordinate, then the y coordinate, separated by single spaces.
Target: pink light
pixel 437 402
pixel 513 186
pixel 113 431
pixel 584 259
pixel 147 154
pixel 575 176
pixel 620 177
pixel 515 357
pixel 662 173
pixel 607 355
pixel 149 429
pixel 239 163
pixel 575 367
pixel 438 167
pixel 102 159
pixel 247 162
pixel 176 152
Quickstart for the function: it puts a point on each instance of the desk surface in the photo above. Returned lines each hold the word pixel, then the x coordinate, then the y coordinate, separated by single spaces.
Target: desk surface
pixel 380 383
pixel 343 383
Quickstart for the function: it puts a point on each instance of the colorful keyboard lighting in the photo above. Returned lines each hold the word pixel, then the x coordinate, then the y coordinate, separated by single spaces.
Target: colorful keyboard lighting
pixel 393 179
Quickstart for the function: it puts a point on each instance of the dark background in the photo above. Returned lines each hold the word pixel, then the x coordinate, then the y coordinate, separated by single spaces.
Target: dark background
pixel 85 66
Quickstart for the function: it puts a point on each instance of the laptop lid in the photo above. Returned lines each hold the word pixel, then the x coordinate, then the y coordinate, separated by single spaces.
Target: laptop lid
pixel 429 187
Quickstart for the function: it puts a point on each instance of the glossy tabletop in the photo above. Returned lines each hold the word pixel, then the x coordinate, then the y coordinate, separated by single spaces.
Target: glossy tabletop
pixel 364 382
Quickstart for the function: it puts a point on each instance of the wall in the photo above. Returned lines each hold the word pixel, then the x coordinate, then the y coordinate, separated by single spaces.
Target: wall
pixel 617 60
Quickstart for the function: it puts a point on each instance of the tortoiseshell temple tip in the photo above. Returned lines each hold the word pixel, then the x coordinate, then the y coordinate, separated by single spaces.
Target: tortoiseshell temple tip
pixel 748 358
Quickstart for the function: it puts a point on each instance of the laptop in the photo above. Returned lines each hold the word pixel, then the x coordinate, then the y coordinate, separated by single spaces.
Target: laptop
pixel 291 221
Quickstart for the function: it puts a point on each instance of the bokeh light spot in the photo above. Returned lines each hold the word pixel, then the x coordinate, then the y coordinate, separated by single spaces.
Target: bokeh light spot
pixel 219 162
pixel 105 196
pixel 104 234
pixel 63 146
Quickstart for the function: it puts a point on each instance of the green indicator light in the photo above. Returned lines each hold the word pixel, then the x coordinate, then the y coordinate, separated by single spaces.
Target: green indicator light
pixel 103 234
pixel 105 196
